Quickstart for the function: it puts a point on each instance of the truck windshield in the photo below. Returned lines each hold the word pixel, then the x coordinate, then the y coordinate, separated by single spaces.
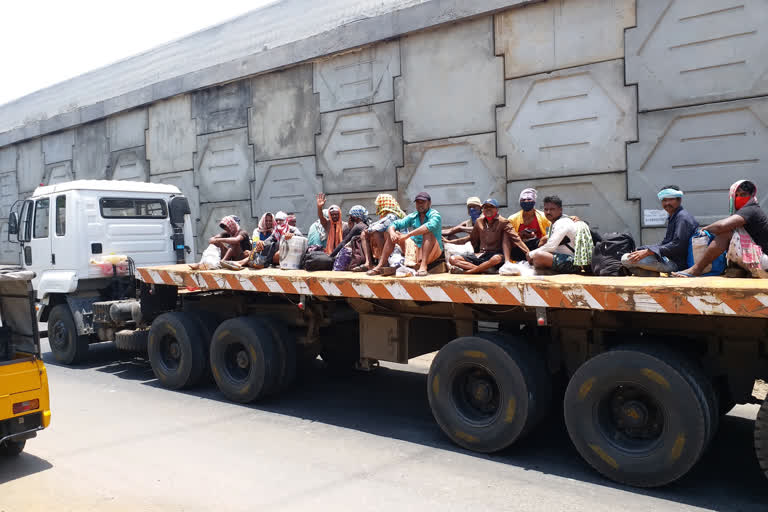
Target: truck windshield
pixel 129 208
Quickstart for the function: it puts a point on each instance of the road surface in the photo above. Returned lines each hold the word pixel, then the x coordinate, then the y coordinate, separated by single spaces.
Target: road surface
pixel 119 442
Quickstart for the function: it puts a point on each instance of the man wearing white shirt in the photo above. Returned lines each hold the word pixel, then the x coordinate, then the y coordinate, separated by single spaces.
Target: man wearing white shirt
pixel 555 251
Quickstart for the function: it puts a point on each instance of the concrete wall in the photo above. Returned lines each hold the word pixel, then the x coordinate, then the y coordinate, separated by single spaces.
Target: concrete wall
pixel 598 101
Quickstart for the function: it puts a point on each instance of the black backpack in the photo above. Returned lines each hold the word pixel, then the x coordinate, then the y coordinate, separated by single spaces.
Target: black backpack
pixel 317 260
pixel 606 257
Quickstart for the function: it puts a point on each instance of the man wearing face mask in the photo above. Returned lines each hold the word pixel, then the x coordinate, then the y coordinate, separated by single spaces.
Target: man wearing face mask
pixel 495 242
pixel 531 224
pixel 475 210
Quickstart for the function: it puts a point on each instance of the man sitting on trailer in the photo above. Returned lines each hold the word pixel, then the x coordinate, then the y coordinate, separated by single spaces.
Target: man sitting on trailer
pixel 495 241
pixel 744 234
pixel 531 224
pixel 672 253
pixel 475 211
pixel 425 227
pixel 335 228
pixel 556 249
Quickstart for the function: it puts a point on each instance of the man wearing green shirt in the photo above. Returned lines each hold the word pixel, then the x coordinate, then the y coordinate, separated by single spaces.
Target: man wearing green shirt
pixel 424 227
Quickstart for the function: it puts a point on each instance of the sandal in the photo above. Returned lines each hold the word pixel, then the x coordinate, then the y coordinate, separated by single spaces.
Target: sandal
pixel 361 268
pixel 422 273
pixel 374 272
pixel 457 270
pixel 229 265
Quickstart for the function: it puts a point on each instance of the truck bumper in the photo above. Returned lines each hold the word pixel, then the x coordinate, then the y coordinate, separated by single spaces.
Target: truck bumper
pixel 22 427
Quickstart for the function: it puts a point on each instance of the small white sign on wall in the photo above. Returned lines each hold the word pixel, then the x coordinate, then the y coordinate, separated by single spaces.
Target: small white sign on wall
pixel 654 217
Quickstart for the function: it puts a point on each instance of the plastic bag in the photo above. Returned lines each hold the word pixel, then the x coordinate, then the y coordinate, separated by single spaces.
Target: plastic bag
pixel 411 253
pixel 457 250
pixel 696 249
pixel 396 259
pixel 516 269
pixel 403 271
pixel 211 259
pixel 342 260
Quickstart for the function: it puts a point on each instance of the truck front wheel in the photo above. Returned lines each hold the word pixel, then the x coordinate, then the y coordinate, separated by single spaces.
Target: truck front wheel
pixel 67 346
pixel 761 436
pixel 640 415
pixel 486 392
pixel 12 448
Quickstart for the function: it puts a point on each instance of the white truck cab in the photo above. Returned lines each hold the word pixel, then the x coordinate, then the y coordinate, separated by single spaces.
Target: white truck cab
pixel 84 238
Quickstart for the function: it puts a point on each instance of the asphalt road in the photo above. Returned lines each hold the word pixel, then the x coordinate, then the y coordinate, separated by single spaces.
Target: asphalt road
pixel 119 442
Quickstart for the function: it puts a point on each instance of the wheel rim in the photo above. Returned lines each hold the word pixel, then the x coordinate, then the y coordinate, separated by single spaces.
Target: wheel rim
pixel 237 362
pixel 476 395
pixel 631 418
pixel 170 353
pixel 59 338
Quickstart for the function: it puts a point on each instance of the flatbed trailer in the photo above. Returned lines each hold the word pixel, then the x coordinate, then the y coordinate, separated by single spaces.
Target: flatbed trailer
pixel 648 365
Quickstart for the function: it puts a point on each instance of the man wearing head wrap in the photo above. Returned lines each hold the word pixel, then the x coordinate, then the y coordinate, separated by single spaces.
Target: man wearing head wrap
pixel 531 224
pixel 474 210
pixel 423 228
pixel 334 226
pixel 373 238
pixel 358 219
pixel 495 242
pixel 233 242
pixel 266 252
pixel 316 236
pixel 266 225
pixel 744 234
pixel 672 253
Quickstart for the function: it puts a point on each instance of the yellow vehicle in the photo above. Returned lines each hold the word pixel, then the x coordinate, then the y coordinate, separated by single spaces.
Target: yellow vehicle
pixel 24 401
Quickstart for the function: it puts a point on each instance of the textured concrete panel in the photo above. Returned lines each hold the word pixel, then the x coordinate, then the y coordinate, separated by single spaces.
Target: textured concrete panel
pixel 652 235
pixel 128 129
pixel 288 185
pixel 8 156
pixel 685 53
pixel 91 153
pixel 129 165
pixel 9 193
pixel 222 108
pixel 451 82
pixel 284 117
pixel 358 78
pixel 60 172
pixel 186 183
pixel 703 150
pixel 452 170
pixel 575 121
pixel 58 147
pixel 30 165
pixel 223 166
pixel 598 199
pixel 212 213
pixel 562 33
pixel 367 199
pixel 359 148
pixel 10 253
pixel 171 136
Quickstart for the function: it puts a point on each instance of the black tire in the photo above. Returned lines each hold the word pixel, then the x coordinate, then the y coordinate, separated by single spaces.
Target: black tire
pixel 486 392
pixel 245 359
pixel 67 346
pixel 341 347
pixel 285 342
pixel 176 350
pixel 761 436
pixel 640 415
pixel 132 341
pixel 12 448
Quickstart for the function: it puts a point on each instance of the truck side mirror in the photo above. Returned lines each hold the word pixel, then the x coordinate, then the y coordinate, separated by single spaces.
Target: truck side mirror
pixel 178 207
pixel 13 225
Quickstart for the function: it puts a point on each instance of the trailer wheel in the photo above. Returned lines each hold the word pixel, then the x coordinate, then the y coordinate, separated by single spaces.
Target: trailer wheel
pixel 640 415
pixel 245 359
pixel 285 343
pixel 176 350
pixel 761 436
pixel 132 341
pixel 67 346
pixel 486 392
pixel 12 448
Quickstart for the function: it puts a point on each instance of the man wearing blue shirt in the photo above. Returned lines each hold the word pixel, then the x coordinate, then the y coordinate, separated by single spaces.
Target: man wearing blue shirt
pixel 424 229
pixel 672 253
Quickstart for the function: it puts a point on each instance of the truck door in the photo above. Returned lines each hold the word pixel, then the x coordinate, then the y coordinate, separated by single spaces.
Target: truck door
pixel 34 234
pixel 63 242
